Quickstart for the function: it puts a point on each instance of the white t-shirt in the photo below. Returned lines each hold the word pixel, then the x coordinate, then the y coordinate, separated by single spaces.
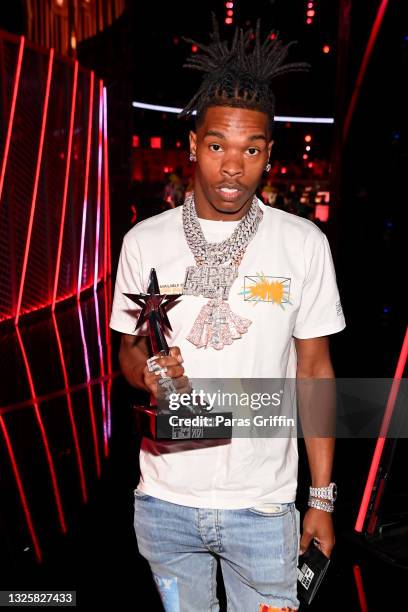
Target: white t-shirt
pixel 287 288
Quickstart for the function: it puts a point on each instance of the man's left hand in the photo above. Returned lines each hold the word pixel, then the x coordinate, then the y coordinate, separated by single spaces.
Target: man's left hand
pixel 318 525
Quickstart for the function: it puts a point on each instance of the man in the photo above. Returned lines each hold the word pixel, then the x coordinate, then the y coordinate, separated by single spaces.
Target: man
pixel 275 302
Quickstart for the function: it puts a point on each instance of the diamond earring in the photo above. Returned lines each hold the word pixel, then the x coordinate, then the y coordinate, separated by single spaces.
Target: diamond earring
pixel 192 157
pixel 268 167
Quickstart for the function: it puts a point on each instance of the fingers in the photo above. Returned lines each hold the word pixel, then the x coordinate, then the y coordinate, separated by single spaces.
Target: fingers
pixel 174 371
pixel 165 366
pixel 325 547
pixel 175 352
pixel 180 386
pixel 151 379
pixel 174 358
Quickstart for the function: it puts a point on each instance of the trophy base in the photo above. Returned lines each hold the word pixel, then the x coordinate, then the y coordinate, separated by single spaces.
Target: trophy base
pixel 183 425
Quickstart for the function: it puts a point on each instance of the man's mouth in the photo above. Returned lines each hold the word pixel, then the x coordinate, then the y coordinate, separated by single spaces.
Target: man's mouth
pixel 229 193
pixel 228 189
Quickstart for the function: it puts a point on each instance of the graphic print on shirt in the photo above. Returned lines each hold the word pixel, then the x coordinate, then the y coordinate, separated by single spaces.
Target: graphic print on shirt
pixel 171 288
pixel 261 288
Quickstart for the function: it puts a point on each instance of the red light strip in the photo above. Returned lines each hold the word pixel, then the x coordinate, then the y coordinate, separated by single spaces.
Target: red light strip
pixel 360 588
pixel 107 186
pixel 367 54
pixel 105 192
pixel 99 188
pixel 60 299
pixel 37 176
pixel 66 182
pixel 12 111
pixel 87 163
pixel 383 433
pixel 54 296
pixel 38 417
pixel 89 390
pixel 102 369
pixel 78 454
pixel 55 394
pixel 96 271
pixel 107 258
pixel 21 492
pixel 81 258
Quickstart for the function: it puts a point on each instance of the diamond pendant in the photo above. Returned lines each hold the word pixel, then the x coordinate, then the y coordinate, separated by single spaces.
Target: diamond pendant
pixel 217 326
pixel 209 281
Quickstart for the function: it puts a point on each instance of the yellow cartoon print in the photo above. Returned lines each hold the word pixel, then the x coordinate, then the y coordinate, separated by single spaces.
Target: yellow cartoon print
pixel 261 288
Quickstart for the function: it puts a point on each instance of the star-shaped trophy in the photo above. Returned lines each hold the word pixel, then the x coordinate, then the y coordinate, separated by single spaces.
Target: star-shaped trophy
pixel 154 305
pixel 153 421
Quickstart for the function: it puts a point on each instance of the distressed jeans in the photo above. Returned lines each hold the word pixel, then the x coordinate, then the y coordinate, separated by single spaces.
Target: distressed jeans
pixel 257 547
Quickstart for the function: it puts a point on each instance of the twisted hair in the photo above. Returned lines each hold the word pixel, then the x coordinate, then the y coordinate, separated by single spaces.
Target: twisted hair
pixel 239 74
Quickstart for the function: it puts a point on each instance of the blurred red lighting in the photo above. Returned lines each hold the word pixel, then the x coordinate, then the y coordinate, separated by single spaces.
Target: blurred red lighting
pixel 230 13
pixel 311 13
pixel 135 141
pixel 308 138
pixel 326 49
pixel 155 142
pixel 310 5
pixel 305 156
pixel 178 144
pixel 308 21
pixel 194 48
pixel 228 20
pixel 229 5
pixel 310 165
pixel 284 170
pixel 322 212
pixel 273 36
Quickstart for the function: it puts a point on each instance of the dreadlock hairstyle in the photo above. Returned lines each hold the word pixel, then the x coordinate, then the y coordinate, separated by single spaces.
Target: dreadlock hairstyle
pixel 239 75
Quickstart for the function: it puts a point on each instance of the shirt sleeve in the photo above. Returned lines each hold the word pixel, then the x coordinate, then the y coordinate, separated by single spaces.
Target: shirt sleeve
pixel 320 312
pixel 128 280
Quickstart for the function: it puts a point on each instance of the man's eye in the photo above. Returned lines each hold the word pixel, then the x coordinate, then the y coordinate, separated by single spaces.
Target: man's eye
pixel 215 147
pixel 253 151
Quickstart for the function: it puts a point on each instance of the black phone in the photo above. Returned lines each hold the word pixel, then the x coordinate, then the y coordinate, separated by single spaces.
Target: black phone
pixel 312 566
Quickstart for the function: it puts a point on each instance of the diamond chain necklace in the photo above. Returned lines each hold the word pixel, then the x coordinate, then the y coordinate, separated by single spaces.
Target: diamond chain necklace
pixel 214 274
pixel 232 248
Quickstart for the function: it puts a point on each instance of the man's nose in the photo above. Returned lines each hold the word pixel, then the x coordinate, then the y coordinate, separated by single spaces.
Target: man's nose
pixel 232 167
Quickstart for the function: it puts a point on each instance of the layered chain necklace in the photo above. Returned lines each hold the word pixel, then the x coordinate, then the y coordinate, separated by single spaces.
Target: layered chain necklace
pixel 213 275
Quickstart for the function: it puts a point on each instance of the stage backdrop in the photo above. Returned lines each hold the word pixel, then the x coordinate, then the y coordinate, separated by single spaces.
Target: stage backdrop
pixel 54 294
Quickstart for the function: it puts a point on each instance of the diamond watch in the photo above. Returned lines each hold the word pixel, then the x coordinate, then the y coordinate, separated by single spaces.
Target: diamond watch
pixel 329 492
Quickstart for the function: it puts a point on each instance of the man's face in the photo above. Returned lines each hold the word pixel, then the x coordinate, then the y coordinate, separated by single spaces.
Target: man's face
pixel 232 147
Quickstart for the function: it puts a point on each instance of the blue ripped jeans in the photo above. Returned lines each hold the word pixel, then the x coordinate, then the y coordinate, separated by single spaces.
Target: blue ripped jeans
pixel 258 550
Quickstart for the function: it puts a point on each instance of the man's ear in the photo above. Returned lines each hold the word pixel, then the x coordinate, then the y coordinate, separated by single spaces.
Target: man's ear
pixel 193 142
pixel 270 145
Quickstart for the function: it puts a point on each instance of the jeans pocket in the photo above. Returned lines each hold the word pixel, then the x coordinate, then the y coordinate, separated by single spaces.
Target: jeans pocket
pixel 271 510
pixel 140 495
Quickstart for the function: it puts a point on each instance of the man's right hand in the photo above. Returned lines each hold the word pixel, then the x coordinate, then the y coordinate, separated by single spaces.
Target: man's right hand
pixel 175 370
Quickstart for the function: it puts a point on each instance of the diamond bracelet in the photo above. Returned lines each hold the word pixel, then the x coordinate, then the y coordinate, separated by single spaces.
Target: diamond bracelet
pixel 320 505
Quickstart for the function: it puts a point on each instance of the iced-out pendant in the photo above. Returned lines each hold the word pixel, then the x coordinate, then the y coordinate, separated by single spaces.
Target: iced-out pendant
pixel 216 325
